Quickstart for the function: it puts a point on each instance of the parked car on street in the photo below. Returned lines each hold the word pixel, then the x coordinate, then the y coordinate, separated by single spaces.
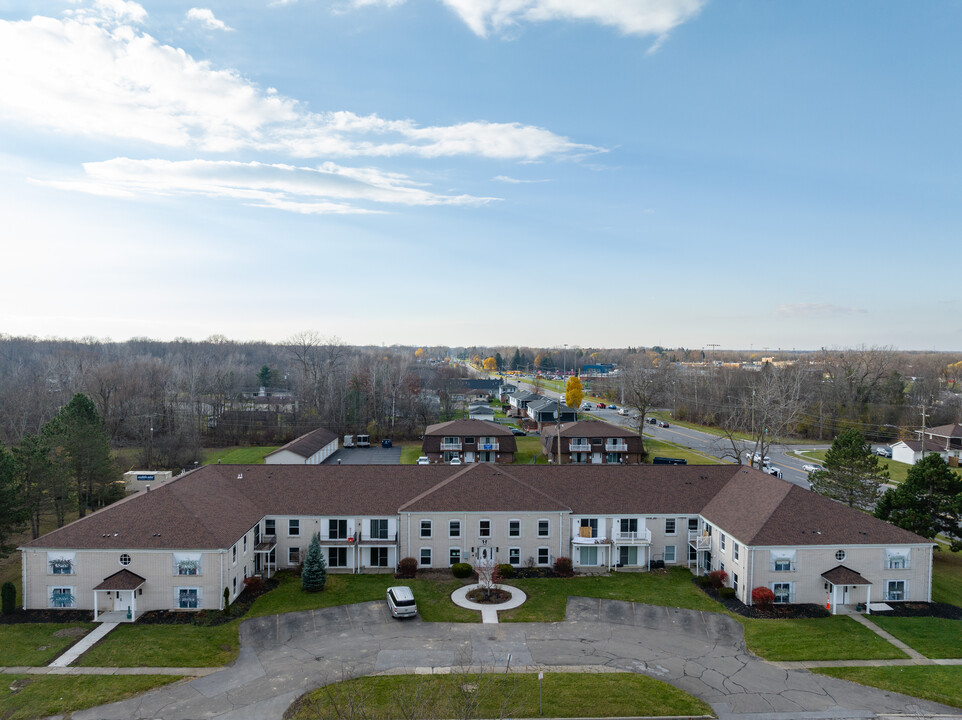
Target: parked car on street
pixel 386 443
pixel 663 424
pixel 652 421
pixel 455 461
pixel 884 451
pixel 623 411
pixel 518 431
pixel 612 407
pixel 423 460
pixel 400 601
pixel 812 468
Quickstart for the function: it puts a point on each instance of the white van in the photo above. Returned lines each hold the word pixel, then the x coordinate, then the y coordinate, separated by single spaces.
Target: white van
pixel 348 441
pixel 400 601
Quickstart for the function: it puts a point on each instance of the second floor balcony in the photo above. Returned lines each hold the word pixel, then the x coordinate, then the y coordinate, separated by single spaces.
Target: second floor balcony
pixel 449 445
pixel 616 446
pixel 632 537
pixel 699 540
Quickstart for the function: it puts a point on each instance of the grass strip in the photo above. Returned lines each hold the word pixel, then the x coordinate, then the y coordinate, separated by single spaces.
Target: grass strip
pixel 136 645
pixel 832 638
pixel 933 637
pixel 941 684
pixel 495 695
pixel 947 577
pixel 38 644
pixel 34 696
pixel 237 455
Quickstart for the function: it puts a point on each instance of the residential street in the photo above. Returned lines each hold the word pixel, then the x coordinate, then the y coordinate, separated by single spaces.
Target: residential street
pixel 283 656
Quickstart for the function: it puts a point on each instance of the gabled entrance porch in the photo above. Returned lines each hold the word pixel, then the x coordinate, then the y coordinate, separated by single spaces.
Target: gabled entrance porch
pixel 118 594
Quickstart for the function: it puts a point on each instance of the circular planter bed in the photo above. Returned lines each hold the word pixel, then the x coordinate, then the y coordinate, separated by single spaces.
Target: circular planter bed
pixel 495 596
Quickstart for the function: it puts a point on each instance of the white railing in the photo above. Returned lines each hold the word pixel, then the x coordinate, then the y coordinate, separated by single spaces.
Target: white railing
pixel 579 447
pixel 616 447
pixel 699 540
pixel 633 536
pixel 488 446
pixel 451 445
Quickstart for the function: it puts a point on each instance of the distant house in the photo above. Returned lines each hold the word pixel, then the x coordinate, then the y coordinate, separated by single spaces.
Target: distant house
pixel 546 411
pixel 469 441
pixel 949 438
pixel 519 402
pixel 592 442
pixel 910 451
pixel 310 449
pixel 481 411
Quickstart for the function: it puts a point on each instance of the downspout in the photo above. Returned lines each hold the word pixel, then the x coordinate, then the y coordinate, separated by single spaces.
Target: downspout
pixel 23 578
pixel 222 580
pixel 561 529
pixel 931 557
pixel 408 537
pixel 751 575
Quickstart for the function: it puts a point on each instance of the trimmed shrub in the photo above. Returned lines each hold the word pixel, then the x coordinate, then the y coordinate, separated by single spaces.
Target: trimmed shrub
pixel 718 578
pixel 563 567
pixel 726 593
pixel 763 598
pixel 459 570
pixel 507 570
pixel 9 595
pixel 253 584
pixel 227 601
pixel 407 568
pixel 703 581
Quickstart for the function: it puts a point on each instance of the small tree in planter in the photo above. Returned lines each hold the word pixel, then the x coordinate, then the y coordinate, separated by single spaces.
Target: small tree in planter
pixel 314 575
pixel 763 598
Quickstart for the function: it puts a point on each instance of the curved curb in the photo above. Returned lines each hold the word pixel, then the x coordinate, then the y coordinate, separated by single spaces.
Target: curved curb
pixel 489 613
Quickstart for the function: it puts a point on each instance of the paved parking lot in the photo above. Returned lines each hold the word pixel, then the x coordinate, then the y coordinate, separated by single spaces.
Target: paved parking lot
pixel 374 455
pixel 283 656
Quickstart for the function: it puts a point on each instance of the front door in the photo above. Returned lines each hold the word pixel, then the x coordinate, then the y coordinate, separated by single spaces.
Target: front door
pixel 120 601
pixel 469 457
pixel 596 458
pixel 844 595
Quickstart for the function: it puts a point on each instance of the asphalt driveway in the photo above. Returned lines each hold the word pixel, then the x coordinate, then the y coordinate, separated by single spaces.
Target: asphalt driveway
pixel 374 455
pixel 283 656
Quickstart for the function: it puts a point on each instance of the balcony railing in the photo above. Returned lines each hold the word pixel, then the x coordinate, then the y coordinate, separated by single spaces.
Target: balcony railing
pixel 451 445
pixel 488 446
pixel 699 540
pixel 616 447
pixel 579 447
pixel 634 537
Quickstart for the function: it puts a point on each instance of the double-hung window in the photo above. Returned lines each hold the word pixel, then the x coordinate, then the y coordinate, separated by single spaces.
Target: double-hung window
pixel 62 597
pixel 188 598
pixel 454 556
pixel 514 556
pixel 669 553
pixel 484 528
pixel 896 590
pixel 425 557
pixel 514 528
pixel 294 528
pixel 544 555
pixel 270 526
pixel 454 528
pixel 337 529
pixel 735 550
pixel 544 528
pixel 425 528
pixel 379 529
pixel 669 526
pixel 783 592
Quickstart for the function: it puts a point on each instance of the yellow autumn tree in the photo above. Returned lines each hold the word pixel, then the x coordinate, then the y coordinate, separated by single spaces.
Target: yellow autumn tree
pixel 490 364
pixel 574 392
pixel 419 353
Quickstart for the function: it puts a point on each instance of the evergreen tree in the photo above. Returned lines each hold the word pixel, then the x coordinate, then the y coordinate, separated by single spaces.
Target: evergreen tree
pixel 928 503
pixel 314 574
pixel 516 360
pixel 12 510
pixel 499 361
pixel 852 474
pixel 77 436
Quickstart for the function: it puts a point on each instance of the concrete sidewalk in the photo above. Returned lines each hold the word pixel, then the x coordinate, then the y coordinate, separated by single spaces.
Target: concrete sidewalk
pixel 888 637
pixel 51 670
pixel 85 643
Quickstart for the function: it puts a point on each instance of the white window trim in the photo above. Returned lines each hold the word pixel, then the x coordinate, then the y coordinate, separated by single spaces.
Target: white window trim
pixel 674 554
pixel 200 597
pixel 452 522
pixel 289 551
pixel 905 589
pixel 290 528
pixel 735 550
pixel 538 556
pixel 514 520
pixel 674 522
pixel 430 553
pixel 490 527
pixel 460 555
pixel 791 591
pixel 510 549
pixel 545 520
pixel 421 529
pixel 71 590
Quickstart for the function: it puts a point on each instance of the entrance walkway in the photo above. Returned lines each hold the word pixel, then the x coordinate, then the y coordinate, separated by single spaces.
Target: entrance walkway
pixel 489 613
pixel 86 642
pixel 914 654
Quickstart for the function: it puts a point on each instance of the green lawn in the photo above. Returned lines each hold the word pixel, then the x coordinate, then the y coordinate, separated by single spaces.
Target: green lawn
pixel 947 577
pixel 410 452
pixel 660 448
pixel 897 470
pixel 529 447
pixel 494 695
pixel 939 684
pixel 933 637
pixel 236 455
pixel 547 598
pixel 45 695
pixel 137 645
pixel 831 638
pixel 433 596
pixel 36 644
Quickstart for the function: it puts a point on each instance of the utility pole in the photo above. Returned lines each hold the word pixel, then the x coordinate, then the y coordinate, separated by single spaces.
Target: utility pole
pixel 922 434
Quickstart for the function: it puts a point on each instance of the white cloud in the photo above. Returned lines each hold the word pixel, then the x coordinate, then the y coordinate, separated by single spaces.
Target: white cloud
pixel 93 79
pixel 816 310
pixel 206 18
pixel 515 181
pixel 631 17
pixel 326 189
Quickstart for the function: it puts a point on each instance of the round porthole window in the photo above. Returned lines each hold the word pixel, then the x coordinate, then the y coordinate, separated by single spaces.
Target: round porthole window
pixel 840 555
pixel 125 559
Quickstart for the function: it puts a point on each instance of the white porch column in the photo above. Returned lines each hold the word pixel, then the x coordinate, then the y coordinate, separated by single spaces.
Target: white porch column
pixel 834 598
pixel 868 600
pixel 96 595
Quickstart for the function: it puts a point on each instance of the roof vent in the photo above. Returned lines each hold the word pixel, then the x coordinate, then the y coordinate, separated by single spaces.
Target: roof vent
pixel 116 534
pixel 240 476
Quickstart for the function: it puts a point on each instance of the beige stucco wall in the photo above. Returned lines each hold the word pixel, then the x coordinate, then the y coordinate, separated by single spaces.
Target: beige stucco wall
pixel 440 542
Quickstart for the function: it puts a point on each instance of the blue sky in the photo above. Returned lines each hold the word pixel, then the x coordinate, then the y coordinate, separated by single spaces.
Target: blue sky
pixel 460 172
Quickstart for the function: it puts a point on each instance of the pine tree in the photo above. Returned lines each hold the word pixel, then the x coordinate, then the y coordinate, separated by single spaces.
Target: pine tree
pixel 928 503
pixel 13 511
pixel 852 474
pixel 314 574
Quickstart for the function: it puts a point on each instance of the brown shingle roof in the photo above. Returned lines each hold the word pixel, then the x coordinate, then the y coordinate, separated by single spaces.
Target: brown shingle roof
pixel 953 430
pixel 121 580
pixel 307 445
pixel 484 488
pixel 841 575
pixel 590 428
pixel 468 428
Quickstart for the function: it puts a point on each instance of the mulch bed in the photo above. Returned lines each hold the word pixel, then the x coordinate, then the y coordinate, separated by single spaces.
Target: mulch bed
pixel 495 596
pixel 777 612
pixel 209 618
pixel 920 609
pixel 46 616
